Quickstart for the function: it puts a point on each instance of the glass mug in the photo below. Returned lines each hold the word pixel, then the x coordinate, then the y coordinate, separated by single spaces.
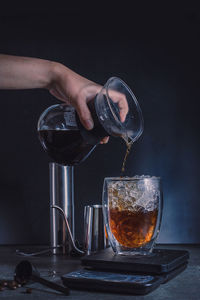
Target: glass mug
pixel 132 209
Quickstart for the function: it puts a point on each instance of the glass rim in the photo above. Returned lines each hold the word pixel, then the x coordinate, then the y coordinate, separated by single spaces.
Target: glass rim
pixel 132 178
pixel 93 206
pixel 134 99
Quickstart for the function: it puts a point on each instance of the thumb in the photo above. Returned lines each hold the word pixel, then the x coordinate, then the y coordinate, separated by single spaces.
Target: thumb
pixel 84 115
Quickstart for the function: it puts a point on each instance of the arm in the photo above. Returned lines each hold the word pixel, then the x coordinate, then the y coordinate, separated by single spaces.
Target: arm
pixel 24 72
pixel 29 73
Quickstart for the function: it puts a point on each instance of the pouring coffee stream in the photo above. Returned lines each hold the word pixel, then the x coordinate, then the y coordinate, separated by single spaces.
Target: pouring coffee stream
pixel 68 143
pixel 128 149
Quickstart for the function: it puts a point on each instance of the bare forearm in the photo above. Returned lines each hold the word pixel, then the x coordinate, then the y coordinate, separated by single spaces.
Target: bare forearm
pixel 25 72
pixel 66 85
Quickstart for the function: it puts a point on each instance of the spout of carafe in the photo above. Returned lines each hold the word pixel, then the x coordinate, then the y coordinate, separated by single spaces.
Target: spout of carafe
pixel 68 229
pixel 127 140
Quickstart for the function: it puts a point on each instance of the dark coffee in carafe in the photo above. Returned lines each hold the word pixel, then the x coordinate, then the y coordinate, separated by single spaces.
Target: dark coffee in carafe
pixel 66 147
pixel 72 144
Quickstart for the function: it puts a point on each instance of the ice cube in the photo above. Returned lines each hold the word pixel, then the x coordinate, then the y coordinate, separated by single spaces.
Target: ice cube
pixel 121 193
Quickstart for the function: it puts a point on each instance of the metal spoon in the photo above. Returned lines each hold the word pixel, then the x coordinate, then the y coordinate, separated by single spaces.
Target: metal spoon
pixel 25 272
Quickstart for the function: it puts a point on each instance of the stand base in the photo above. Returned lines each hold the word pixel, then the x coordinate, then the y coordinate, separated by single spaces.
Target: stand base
pixel 159 262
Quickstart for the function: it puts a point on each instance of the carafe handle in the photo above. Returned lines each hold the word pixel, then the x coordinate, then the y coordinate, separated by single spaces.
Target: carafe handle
pixel 68 229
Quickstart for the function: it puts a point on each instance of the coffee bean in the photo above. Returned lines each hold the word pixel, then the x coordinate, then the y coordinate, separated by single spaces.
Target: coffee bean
pixel 12 285
pixel 29 291
pixel 4 283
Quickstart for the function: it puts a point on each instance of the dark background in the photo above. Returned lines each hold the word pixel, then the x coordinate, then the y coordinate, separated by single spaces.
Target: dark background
pixel 155 49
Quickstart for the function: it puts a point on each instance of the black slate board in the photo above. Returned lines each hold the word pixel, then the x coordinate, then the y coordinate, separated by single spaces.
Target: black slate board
pixel 161 261
pixel 115 282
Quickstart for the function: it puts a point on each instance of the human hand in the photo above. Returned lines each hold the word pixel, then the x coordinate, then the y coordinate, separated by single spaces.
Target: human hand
pixel 76 90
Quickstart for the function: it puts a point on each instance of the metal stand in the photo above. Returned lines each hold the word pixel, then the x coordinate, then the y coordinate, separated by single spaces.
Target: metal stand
pixel 62 195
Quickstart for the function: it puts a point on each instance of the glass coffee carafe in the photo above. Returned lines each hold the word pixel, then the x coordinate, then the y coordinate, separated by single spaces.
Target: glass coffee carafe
pixel 67 142
pixel 115 112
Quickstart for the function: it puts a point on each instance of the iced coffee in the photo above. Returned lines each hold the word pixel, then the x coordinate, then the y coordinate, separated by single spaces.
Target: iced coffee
pixel 133 211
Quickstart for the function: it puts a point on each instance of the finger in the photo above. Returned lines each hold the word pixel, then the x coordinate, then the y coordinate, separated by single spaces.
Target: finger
pixel 105 140
pixel 84 114
pixel 123 107
pixel 121 100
